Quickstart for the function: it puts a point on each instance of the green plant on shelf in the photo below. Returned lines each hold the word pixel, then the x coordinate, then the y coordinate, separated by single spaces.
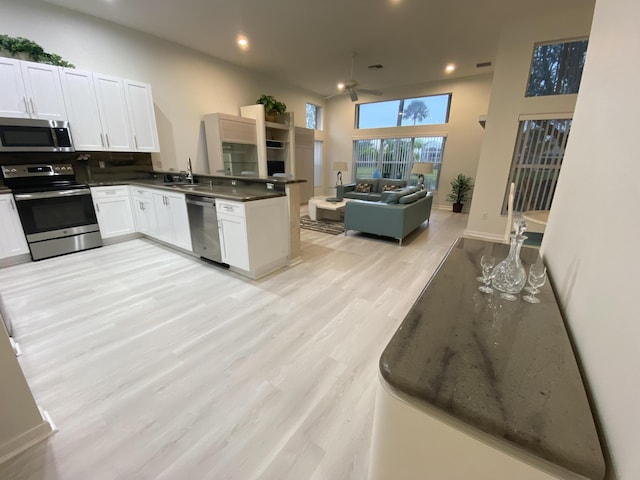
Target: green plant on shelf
pixel 30 50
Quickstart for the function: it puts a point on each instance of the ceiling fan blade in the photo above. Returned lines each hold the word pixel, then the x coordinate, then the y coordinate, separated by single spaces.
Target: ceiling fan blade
pixel 370 92
pixel 334 95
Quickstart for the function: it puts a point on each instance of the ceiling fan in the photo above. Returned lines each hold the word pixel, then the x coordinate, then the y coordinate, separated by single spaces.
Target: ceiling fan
pixel 352 87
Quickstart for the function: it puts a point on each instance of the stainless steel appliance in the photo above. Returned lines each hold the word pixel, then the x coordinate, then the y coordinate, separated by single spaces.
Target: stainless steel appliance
pixel 32 135
pixel 56 212
pixel 203 223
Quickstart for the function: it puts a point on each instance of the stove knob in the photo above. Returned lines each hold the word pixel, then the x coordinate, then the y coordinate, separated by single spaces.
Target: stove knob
pixel 56 168
pixel 13 170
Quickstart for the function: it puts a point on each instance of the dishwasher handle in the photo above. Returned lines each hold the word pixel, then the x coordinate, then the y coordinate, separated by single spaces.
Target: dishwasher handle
pixel 201 201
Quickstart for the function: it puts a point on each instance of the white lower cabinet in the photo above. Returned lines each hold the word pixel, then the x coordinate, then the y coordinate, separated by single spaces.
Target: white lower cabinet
pixel 254 235
pixel 12 241
pixel 113 210
pixel 172 221
pixel 143 211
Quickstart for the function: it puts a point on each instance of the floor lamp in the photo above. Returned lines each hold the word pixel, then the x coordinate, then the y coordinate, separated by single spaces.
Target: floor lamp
pixel 421 169
pixel 338 167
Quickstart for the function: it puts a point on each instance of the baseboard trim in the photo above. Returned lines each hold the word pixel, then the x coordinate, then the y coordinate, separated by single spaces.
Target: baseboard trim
pixel 19 444
pixel 491 237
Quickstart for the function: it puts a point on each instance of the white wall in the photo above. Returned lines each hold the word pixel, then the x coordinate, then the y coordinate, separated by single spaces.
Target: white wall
pixel 470 99
pixel 593 227
pixel 512 66
pixel 186 84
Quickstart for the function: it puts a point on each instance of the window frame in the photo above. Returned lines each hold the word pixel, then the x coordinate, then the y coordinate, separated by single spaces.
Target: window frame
pixel 406 100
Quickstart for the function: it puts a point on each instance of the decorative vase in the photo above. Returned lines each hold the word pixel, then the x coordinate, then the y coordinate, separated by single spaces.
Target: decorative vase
pixel 457 207
pixel 271 116
pixel 509 276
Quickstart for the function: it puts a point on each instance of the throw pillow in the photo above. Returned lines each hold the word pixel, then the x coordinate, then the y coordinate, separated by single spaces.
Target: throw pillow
pixel 387 188
pixel 363 188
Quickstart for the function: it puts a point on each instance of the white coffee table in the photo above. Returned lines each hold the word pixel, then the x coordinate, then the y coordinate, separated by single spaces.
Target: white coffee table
pixel 319 208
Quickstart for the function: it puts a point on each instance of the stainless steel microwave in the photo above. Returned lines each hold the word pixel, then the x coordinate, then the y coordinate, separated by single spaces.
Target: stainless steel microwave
pixel 32 135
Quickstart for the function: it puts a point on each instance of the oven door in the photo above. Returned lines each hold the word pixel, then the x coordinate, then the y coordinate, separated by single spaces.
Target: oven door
pixel 58 213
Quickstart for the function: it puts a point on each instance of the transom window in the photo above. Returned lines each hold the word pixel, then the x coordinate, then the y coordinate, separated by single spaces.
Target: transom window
pixel 429 110
pixel 556 68
pixel 314 117
pixel 536 163
pixel 394 157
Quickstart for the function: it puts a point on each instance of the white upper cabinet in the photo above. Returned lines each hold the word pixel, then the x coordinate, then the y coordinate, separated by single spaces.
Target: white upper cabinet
pixel 82 107
pixel 30 90
pixel 142 118
pixel 13 97
pixel 113 113
pixel 44 91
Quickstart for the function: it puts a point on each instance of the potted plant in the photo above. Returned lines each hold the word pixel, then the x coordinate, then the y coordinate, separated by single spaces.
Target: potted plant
pixel 460 188
pixel 272 107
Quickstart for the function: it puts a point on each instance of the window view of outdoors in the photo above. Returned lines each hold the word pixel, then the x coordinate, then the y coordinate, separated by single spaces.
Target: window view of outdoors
pixel 312 116
pixel 394 157
pixel 536 163
pixel 556 68
pixel 404 112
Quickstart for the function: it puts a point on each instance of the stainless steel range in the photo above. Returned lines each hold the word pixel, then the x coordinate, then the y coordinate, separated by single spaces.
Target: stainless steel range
pixel 56 212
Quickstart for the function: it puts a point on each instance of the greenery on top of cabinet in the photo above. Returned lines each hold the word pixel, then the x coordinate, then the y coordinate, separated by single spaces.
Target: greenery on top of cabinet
pixel 29 50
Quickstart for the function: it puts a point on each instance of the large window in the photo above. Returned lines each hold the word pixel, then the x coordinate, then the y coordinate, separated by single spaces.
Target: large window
pixel 404 112
pixel 394 157
pixel 536 163
pixel 556 68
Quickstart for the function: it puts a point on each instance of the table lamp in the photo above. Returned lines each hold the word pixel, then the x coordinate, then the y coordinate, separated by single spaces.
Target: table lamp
pixel 339 167
pixel 421 169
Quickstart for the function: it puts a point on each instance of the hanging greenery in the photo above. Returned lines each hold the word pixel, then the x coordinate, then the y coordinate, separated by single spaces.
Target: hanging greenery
pixel 17 46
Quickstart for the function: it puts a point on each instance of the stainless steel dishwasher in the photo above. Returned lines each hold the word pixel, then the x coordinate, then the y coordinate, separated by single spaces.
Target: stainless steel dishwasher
pixel 203 224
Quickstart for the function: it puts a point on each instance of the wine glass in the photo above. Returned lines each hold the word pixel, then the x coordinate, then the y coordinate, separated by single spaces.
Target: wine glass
pixel 486 263
pixel 537 278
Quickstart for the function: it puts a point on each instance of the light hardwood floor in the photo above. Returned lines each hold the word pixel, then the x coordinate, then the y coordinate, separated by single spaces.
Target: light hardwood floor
pixel 156 365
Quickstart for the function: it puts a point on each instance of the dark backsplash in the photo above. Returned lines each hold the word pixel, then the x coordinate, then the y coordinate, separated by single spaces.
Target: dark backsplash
pixel 90 167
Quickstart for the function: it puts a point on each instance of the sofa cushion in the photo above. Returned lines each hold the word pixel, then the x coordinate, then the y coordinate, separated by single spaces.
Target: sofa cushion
pixel 394 196
pixel 363 188
pixel 389 184
pixel 357 195
pixel 412 197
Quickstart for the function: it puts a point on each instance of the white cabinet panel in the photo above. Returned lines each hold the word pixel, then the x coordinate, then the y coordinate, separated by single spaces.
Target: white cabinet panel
pixel 143 211
pixel 44 91
pixel 113 113
pixel 163 217
pixel 142 118
pixel 13 97
pixel 12 241
pixel 82 108
pixel 171 219
pixel 233 241
pixel 113 209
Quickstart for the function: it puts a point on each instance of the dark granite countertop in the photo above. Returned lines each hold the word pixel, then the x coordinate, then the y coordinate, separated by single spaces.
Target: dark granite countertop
pixel 504 368
pixel 245 193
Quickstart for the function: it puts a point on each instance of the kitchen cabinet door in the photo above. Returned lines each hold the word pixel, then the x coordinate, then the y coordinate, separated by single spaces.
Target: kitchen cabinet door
pixel 143 211
pixel 142 118
pixel 44 91
pixel 233 241
pixel 12 241
pixel 181 234
pixel 113 113
pixel 163 217
pixel 113 210
pixel 13 97
pixel 82 109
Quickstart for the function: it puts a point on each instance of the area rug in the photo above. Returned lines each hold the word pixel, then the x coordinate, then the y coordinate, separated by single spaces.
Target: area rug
pixel 332 227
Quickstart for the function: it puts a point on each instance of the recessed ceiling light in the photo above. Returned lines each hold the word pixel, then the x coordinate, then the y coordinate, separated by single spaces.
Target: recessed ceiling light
pixel 243 42
pixel 450 68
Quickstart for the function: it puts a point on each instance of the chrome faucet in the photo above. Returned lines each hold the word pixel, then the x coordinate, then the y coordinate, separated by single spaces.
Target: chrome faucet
pixel 189 172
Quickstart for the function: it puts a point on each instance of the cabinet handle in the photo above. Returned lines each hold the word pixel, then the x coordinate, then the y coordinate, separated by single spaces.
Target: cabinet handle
pixel 102 139
pixel 141 206
pixel 13 207
pixel 26 104
pixel 33 105
pixel 97 208
pixel 135 141
pixel 106 136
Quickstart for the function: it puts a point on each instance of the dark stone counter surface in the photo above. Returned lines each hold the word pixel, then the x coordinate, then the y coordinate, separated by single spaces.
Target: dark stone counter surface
pixel 504 368
pixel 243 193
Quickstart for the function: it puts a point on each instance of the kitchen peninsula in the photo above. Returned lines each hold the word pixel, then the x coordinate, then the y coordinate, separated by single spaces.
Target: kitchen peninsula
pixel 474 386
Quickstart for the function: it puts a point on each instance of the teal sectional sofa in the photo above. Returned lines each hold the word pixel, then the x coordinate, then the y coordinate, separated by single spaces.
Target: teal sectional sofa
pixel 396 215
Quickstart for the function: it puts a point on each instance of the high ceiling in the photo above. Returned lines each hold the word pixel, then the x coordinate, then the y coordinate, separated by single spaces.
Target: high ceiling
pixel 310 43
